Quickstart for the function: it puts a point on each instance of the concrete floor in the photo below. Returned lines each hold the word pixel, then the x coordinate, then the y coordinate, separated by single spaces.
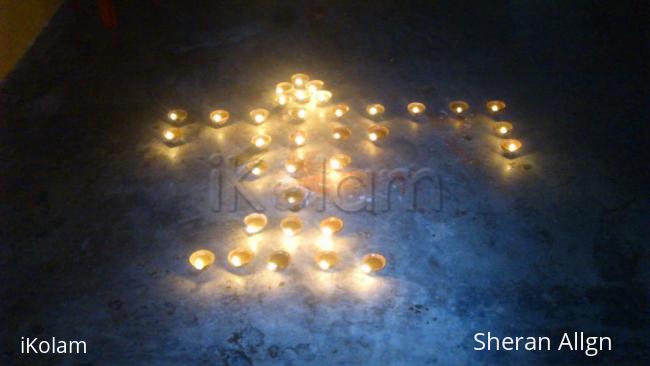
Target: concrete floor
pixel 99 216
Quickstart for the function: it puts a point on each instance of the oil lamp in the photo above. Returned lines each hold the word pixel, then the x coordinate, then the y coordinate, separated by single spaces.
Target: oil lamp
pixel 458 107
pixel 377 133
pixel 331 225
pixel 255 222
pixel 240 257
pixel 502 128
pixel 323 96
pixel 341 133
pixel 283 88
pixel 293 164
pixel 278 260
pixel 219 117
pixel 291 225
pixel 257 168
pixel 510 146
pixel 495 106
pixel 373 262
pixel 299 80
pixel 326 259
pixel 301 96
pixel 294 197
pixel 298 138
pixel 375 110
pixel 340 161
pixel 261 141
pixel 315 85
pixel 177 115
pixel 259 115
pixel 201 259
pixel 340 110
pixel 298 114
pixel 282 99
pixel 173 135
pixel 416 109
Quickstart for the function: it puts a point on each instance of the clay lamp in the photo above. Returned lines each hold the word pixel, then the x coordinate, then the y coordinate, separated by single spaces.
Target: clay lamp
pixel 201 259
pixel 259 115
pixel 298 138
pixel 341 133
pixel 291 225
pixel 510 146
pixel 315 85
pixel 283 88
pixel 340 161
pixel 375 110
pixel 495 106
pixel 255 222
pixel 416 109
pixel 377 133
pixel 458 107
pixel 293 164
pixel 301 96
pixel 172 135
pixel 502 128
pixel 299 80
pixel 282 100
pixel 257 168
pixel 261 141
pixel 326 260
pixel 298 114
pixel 240 257
pixel 373 262
pixel 278 260
pixel 331 225
pixel 219 117
pixel 323 97
pixel 177 115
pixel 294 197
pixel 340 110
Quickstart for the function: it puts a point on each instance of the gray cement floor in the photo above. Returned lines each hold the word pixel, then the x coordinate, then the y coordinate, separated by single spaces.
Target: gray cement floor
pixel 99 216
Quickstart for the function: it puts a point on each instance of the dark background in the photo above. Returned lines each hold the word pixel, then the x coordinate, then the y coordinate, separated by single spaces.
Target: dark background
pixel 574 73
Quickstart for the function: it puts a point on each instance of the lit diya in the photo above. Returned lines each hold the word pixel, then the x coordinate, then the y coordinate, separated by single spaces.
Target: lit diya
pixel 341 133
pixel 340 110
pixel 278 260
pixel 298 138
pixel 375 110
pixel 261 141
pixel 416 109
pixel 373 262
pixel 283 88
pixel 301 96
pixel 502 128
pixel 315 85
pixel 282 100
pixel 299 80
pixel 219 117
pixel 340 161
pixel 201 259
pixel 510 146
pixel 458 107
pixel 495 106
pixel 293 164
pixel 240 257
pixel 172 135
pixel 291 225
pixel 293 197
pixel 259 115
pixel 177 115
pixel 377 133
pixel 298 114
pixel 326 259
pixel 257 168
pixel 255 222
pixel 331 225
pixel 323 96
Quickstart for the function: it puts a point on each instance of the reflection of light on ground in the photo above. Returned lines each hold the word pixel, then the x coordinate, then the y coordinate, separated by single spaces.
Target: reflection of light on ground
pixel 290 244
pixel 171 153
pixel 325 243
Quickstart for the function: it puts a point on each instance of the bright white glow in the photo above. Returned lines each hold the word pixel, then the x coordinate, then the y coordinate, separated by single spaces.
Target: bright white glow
pixel 259 142
pixel 288 232
pixel 291 199
pixel 312 88
pixel 338 112
pixel 415 110
pixel 299 140
pixel 302 113
pixel 326 231
pixel 272 266
pixel 169 135
pixel 256 171
pixel 503 130
pixel 373 110
pixel 459 109
pixel 173 116
pixel 291 168
pixel 512 147
pixel 300 95
pixel 366 268
pixel 324 265
pixel 216 118
pixel 282 100
pixel 335 164
pixel 298 81
pixel 259 118
pixel 495 108
pixel 198 264
pixel 235 261
pixel 372 136
pixel 337 135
